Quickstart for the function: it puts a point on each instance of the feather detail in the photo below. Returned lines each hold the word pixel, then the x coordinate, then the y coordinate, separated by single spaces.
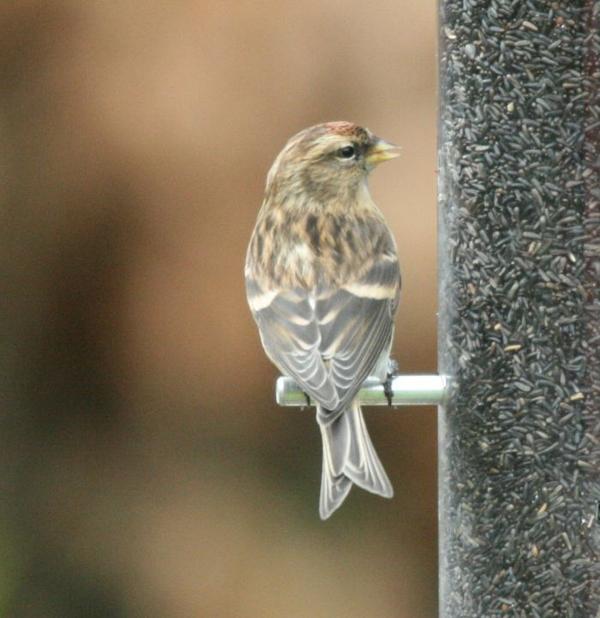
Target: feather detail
pixel 349 457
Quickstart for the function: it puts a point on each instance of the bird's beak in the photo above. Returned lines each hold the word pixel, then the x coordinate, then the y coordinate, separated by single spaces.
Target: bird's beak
pixel 381 151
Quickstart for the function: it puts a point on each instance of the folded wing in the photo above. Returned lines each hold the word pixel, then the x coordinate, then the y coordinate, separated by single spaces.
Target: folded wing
pixel 329 339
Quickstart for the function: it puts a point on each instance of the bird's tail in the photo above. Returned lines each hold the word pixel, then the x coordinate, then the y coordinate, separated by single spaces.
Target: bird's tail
pixel 348 457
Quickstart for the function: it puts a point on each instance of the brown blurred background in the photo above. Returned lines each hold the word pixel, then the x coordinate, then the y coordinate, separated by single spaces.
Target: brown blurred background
pixel 147 471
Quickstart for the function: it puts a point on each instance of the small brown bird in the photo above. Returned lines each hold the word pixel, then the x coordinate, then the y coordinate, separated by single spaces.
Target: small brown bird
pixel 323 283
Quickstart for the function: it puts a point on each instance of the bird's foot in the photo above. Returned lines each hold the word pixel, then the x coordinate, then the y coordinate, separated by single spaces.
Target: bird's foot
pixel 388 390
pixel 307 397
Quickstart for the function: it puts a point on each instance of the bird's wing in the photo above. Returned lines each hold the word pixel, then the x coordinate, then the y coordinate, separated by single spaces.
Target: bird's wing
pixel 356 324
pixel 290 335
pixel 329 341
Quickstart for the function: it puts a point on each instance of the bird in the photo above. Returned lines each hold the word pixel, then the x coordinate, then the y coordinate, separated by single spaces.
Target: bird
pixel 323 283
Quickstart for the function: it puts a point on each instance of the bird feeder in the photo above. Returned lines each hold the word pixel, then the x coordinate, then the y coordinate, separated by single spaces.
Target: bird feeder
pixel 519 323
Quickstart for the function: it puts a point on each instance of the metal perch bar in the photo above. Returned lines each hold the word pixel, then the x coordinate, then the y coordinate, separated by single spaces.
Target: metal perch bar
pixel 409 390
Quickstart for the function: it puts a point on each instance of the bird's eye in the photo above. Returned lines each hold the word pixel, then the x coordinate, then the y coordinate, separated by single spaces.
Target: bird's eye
pixel 347 152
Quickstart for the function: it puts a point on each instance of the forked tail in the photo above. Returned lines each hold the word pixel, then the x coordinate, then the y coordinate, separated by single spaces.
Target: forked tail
pixel 349 457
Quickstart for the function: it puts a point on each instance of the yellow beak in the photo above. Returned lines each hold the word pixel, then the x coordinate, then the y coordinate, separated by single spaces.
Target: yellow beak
pixel 381 151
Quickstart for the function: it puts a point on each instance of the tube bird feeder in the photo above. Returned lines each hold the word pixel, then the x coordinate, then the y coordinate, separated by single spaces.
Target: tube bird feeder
pixel 519 336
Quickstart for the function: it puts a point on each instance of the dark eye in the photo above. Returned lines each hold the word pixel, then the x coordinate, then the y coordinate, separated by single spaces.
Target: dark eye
pixel 347 152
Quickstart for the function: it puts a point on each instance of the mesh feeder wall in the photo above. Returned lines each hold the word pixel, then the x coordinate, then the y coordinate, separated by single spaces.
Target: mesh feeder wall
pixel 519 308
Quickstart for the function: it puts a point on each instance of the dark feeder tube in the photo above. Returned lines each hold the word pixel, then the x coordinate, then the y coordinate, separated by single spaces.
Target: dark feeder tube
pixel 519 336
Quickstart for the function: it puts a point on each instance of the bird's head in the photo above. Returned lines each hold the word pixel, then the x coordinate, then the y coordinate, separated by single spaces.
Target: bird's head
pixel 329 159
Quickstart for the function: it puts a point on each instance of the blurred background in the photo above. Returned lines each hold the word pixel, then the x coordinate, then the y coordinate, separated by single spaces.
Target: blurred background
pixel 147 471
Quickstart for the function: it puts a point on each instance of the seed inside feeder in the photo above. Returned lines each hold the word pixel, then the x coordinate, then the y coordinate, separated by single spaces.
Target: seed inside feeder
pixel 520 308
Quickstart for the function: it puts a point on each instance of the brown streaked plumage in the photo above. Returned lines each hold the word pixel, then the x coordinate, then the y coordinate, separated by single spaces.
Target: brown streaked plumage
pixel 323 281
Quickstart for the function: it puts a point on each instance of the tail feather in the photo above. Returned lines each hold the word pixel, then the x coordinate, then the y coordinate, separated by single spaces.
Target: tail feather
pixel 349 457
